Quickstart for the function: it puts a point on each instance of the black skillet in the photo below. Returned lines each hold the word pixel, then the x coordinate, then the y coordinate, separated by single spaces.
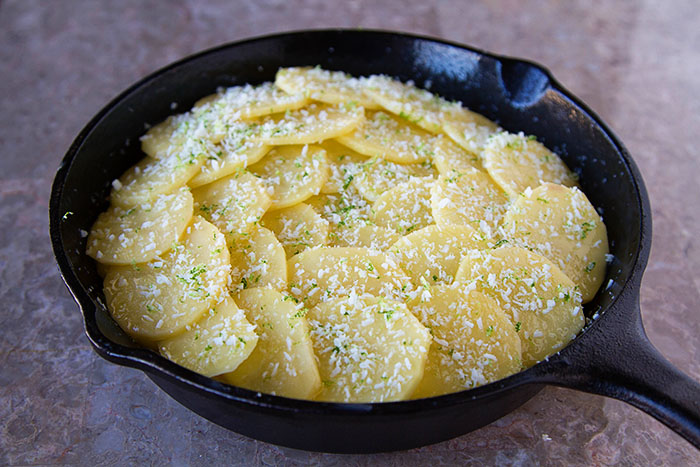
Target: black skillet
pixel 612 356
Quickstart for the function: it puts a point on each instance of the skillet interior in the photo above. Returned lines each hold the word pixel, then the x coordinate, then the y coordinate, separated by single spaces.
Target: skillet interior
pixel 519 95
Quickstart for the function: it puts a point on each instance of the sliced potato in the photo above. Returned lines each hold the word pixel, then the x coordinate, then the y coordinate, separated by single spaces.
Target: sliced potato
pixel 292 173
pixel 345 209
pixel 322 273
pixel 297 227
pixel 468 197
pixel 449 157
pixel 257 260
pixel 362 235
pixel 139 234
pixel 543 304
pixel 168 136
pixel 344 163
pixel 561 224
pixel 159 299
pixel 376 176
pixel 331 87
pixel 312 124
pixel 234 204
pixel 216 344
pixel 516 162
pixel 406 207
pixel 283 361
pixel 469 129
pixel 431 255
pixel 391 138
pixel 369 349
pixel 474 342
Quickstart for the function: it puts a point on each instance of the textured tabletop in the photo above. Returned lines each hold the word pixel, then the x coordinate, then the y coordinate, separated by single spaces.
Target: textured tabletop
pixel 635 63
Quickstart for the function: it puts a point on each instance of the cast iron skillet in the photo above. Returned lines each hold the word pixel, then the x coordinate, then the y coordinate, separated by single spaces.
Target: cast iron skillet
pixel 612 356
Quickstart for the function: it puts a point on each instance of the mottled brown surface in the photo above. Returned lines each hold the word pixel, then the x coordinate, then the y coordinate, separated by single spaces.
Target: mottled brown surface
pixel 635 63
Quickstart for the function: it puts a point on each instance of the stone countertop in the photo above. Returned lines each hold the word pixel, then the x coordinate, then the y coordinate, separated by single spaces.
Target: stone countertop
pixel 635 63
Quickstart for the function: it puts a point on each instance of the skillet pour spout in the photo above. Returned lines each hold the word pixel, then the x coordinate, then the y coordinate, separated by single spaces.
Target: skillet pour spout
pixel 612 356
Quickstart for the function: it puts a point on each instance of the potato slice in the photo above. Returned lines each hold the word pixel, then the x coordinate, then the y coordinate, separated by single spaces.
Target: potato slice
pixel 343 163
pixel 369 349
pixel 322 273
pixel 234 204
pixel 168 136
pixel 516 162
pixel 345 209
pixel 431 255
pixel 406 207
pixel 377 175
pixel 140 233
pixel 474 342
pixel 283 361
pixel 364 236
pixel 449 157
pixel 469 129
pixel 292 173
pixel 543 304
pixel 257 260
pixel 312 124
pixel 391 138
pixel 469 197
pixel 331 87
pixel 297 227
pixel 216 344
pixel 561 224
pixel 159 299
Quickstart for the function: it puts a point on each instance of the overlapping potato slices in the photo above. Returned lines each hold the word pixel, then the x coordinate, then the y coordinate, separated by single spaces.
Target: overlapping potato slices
pixel 543 304
pixel 474 342
pixel 561 224
pixel 369 349
pixel 283 361
pixel 381 242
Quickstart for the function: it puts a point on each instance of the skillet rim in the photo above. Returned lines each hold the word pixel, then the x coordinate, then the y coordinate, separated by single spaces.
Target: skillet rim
pixel 150 362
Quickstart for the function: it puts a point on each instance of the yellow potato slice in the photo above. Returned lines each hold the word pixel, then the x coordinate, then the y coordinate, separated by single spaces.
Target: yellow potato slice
pixel 345 209
pixel 321 273
pixel 364 236
pixel 292 173
pixel 283 361
pixel 543 304
pixel 168 136
pixel 312 124
pixel 377 175
pixel 561 224
pixel 234 204
pixel 516 162
pixel 216 344
pixel 331 87
pixel 469 197
pixel 406 207
pixel 140 233
pixel 159 299
pixel 343 163
pixel 369 349
pixel 474 342
pixel 391 138
pixel 448 157
pixel 431 255
pixel 469 129
pixel 297 227
pixel 257 260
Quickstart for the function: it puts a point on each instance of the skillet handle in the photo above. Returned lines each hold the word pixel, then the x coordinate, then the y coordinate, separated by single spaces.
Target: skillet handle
pixel 616 359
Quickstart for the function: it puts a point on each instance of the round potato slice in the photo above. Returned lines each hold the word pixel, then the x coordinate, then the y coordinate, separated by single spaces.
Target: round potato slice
pixel 345 209
pixel 344 163
pixel 297 227
pixel 449 157
pixel 431 255
pixel 321 273
pixel 369 349
pixel 311 124
pixel 216 344
pixel 516 162
pixel 159 299
pixel 331 87
pixel 406 207
pixel 283 361
pixel 363 235
pixel 391 138
pixel 140 233
pixel 561 224
pixel 376 175
pixel 257 260
pixel 234 204
pixel 468 197
pixel 168 136
pixel 469 129
pixel 543 304
pixel 474 342
pixel 292 173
